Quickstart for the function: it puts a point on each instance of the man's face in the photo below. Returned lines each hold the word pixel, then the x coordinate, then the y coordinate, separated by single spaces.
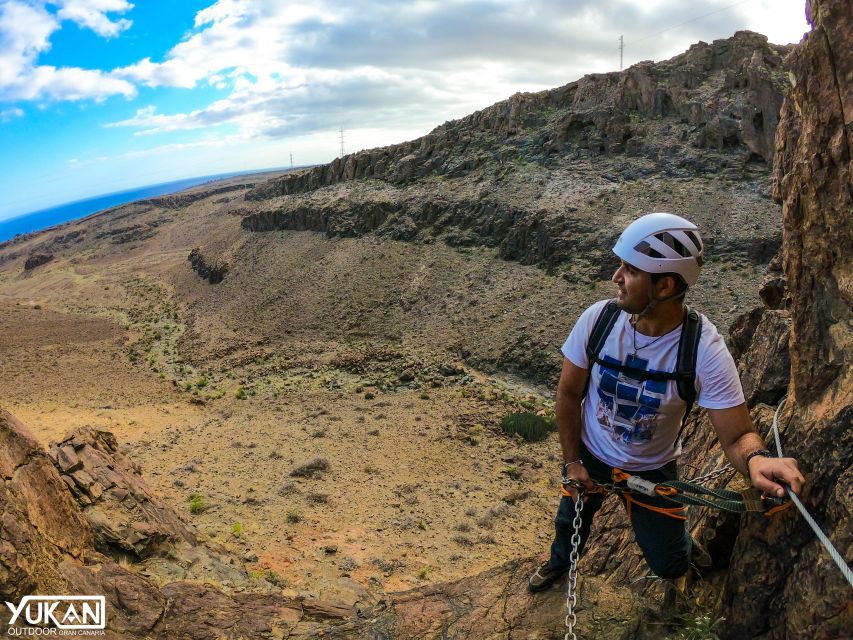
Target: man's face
pixel 633 286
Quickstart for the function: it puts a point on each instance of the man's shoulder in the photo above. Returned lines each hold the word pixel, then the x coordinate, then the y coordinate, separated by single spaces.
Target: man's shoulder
pixel 596 308
pixel 710 332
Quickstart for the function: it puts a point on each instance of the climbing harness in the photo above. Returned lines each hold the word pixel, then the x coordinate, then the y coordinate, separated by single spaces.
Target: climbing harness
pixel 571 594
pixel 683 493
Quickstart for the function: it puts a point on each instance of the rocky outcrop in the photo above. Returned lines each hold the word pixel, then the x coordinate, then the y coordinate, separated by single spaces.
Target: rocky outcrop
pixel 41 525
pixel 56 510
pixel 785 585
pixel 182 200
pixel 121 509
pixel 723 96
pixel 36 260
pixel 536 175
pixel 212 272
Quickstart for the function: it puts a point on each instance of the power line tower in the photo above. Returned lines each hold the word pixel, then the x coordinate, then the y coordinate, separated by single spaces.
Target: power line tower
pixel 621 49
pixel 342 142
pixel 291 160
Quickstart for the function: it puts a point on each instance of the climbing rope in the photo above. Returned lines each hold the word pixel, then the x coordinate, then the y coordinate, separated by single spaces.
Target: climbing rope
pixel 824 540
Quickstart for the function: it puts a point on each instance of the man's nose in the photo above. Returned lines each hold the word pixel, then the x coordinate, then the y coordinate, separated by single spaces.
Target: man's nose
pixel 617 275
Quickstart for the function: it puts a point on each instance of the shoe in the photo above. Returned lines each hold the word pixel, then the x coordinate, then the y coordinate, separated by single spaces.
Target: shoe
pixel 699 556
pixel 544 577
pixel 676 594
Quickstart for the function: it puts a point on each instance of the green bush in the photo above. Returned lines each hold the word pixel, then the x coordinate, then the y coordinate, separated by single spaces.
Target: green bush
pixel 529 426
pixel 197 504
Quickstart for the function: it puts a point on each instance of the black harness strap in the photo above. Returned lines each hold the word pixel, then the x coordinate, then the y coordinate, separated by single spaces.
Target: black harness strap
pixel 685 370
pixel 688 351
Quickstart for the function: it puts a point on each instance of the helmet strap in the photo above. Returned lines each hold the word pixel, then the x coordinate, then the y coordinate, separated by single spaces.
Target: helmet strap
pixel 654 302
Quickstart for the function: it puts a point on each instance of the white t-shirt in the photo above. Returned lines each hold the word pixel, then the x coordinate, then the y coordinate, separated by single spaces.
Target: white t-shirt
pixel 632 424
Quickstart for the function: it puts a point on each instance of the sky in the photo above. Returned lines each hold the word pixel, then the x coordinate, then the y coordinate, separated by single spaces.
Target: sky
pixel 98 96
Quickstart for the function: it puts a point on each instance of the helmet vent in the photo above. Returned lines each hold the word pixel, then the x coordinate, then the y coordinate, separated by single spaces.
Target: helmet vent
pixel 673 243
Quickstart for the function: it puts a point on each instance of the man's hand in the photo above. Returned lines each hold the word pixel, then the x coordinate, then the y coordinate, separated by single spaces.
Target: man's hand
pixel 577 471
pixel 766 474
pixel 738 439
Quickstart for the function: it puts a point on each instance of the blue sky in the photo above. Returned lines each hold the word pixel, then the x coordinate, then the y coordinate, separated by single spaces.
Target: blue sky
pixel 97 96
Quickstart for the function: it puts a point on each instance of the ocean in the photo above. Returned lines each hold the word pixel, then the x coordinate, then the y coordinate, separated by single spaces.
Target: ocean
pixel 38 220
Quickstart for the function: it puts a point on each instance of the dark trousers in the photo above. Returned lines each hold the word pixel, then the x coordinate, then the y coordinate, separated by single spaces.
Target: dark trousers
pixel 664 541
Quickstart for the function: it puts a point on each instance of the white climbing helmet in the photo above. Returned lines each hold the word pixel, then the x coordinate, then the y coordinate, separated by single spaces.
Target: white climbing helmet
pixel 662 243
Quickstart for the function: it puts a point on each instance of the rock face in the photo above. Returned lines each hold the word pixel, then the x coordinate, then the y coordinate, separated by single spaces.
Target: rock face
pixel 37 260
pixel 48 546
pixel 783 584
pixel 123 512
pixel 726 95
pixel 213 273
pixel 41 525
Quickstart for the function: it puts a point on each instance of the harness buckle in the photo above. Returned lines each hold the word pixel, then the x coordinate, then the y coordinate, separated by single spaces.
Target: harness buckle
pixel 755 500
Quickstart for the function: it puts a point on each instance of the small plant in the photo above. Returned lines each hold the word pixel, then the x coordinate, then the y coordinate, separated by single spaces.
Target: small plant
pixel 513 472
pixel 240 394
pixel 273 578
pixel 463 541
pixel 424 396
pixel 423 574
pixel 311 469
pixel 699 627
pixel 317 498
pixel 197 504
pixel 237 530
pixel 422 525
pixel 530 426
pixel 201 383
pixel 293 517
pixel 288 488
pixel 369 396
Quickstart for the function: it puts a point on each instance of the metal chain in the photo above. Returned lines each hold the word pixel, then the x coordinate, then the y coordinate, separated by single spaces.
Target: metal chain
pixel 711 476
pixel 571 595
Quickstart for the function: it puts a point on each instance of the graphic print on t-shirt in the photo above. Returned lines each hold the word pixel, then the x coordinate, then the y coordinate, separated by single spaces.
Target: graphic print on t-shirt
pixel 628 406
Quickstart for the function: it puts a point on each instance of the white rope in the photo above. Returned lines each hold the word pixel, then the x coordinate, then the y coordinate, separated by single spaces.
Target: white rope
pixel 833 552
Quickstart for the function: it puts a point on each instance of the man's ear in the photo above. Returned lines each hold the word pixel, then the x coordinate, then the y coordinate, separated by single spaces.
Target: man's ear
pixel 666 286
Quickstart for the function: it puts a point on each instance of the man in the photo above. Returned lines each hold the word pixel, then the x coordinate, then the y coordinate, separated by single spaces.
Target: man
pixel 609 417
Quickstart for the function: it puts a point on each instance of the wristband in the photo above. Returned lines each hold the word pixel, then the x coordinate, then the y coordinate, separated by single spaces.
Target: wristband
pixel 758 452
pixel 566 465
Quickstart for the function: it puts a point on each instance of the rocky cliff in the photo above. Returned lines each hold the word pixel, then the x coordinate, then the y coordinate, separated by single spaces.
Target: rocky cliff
pixel 783 584
pixel 531 175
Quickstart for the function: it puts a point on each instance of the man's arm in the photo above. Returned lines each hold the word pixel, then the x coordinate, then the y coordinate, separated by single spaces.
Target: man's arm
pixel 738 439
pixel 570 392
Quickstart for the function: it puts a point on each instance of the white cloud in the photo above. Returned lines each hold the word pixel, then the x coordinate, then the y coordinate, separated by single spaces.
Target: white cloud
pixel 7 115
pixel 92 14
pixel 25 31
pixel 72 83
